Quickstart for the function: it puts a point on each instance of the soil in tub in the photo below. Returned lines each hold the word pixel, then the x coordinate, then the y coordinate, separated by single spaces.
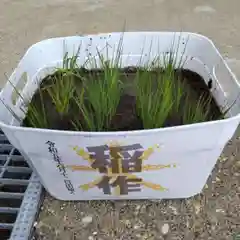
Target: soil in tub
pixel 126 117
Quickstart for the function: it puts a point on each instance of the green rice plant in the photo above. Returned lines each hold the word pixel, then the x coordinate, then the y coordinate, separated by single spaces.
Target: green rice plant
pixel 160 95
pixel 225 109
pixel 62 89
pixel 35 116
pixel 70 63
pixel 178 94
pixel 102 91
pixel 154 101
pixel 197 111
pixel 171 73
pixel 171 83
pixel 87 121
pixel 18 119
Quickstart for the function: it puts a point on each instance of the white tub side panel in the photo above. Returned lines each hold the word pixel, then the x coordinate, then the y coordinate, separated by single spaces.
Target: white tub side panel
pixel 184 176
pixel 180 153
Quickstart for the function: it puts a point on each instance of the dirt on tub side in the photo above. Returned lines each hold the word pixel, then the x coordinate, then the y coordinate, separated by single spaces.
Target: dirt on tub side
pixel 126 117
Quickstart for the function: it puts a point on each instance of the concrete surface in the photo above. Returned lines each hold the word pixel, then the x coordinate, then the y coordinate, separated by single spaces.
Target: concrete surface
pixel 22 23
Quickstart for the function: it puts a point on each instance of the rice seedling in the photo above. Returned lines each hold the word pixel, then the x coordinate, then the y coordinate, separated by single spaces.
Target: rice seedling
pixel 70 63
pixel 86 113
pixel 102 91
pixel 35 116
pixel 62 89
pixel 16 117
pixel 171 66
pixel 154 101
pixel 197 111
pixel 161 95
pixel 164 95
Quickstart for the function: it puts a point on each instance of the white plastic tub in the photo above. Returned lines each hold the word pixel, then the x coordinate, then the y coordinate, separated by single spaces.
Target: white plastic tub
pixel 159 163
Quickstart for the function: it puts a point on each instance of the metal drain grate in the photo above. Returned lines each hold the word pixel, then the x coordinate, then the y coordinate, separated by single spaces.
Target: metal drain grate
pixel 20 194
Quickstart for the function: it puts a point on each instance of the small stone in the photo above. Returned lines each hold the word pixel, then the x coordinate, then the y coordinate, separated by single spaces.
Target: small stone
pixel 51 211
pixel 223 159
pixel 206 186
pixel 94 233
pixel 136 226
pixel 197 207
pixel 218 179
pixel 174 210
pixel 87 219
pixel 90 238
pixel 219 210
pixel 128 223
pixel 138 207
pixel 165 228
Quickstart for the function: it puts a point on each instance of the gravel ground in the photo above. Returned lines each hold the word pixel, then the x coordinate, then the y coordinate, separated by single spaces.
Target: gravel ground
pixel 212 215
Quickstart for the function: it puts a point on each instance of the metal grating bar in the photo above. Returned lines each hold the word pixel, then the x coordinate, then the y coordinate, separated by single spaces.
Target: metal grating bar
pixel 20 194
pixel 31 202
